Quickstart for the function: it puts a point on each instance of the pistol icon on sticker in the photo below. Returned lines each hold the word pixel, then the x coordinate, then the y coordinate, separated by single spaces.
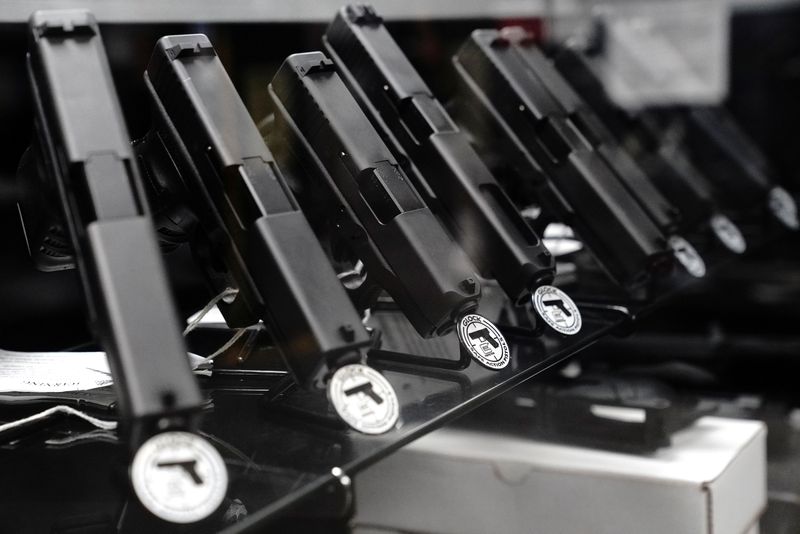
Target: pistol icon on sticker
pixel 486 339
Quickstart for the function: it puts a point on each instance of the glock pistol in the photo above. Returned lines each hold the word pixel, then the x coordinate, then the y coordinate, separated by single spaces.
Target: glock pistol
pixel 368 207
pixel 82 165
pixel 440 160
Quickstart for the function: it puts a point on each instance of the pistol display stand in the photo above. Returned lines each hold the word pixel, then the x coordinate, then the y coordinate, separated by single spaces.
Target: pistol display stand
pixel 332 166
pixel 252 222
pixel 333 234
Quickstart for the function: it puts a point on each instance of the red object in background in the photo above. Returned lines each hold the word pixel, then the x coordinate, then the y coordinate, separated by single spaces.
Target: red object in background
pixel 534 26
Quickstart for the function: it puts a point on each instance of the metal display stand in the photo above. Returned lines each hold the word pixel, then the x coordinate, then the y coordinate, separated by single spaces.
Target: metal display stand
pixel 283 464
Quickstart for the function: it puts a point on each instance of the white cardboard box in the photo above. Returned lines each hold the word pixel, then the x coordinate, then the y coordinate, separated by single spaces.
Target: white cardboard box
pixel 712 480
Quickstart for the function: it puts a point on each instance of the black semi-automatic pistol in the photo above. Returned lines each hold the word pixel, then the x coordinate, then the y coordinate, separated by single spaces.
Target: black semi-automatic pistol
pixel 204 155
pixel 440 160
pixel 372 213
pixel 82 167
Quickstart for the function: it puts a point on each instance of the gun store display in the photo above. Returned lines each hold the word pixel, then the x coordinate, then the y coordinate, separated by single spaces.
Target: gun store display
pixel 313 266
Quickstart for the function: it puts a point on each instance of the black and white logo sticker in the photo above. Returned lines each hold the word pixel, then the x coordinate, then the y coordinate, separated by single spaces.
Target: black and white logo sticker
pixel 364 399
pixel 483 341
pixel 728 233
pixel 179 477
pixel 783 207
pixel 688 256
pixel 557 309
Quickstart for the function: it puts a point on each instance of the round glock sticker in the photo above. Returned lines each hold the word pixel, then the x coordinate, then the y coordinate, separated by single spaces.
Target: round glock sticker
pixel 484 341
pixel 557 309
pixel 364 399
pixel 179 477
pixel 687 256
pixel 728 233
pixel 783 206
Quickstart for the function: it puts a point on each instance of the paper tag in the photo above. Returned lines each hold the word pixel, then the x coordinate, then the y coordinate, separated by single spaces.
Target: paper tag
pixel 51 372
